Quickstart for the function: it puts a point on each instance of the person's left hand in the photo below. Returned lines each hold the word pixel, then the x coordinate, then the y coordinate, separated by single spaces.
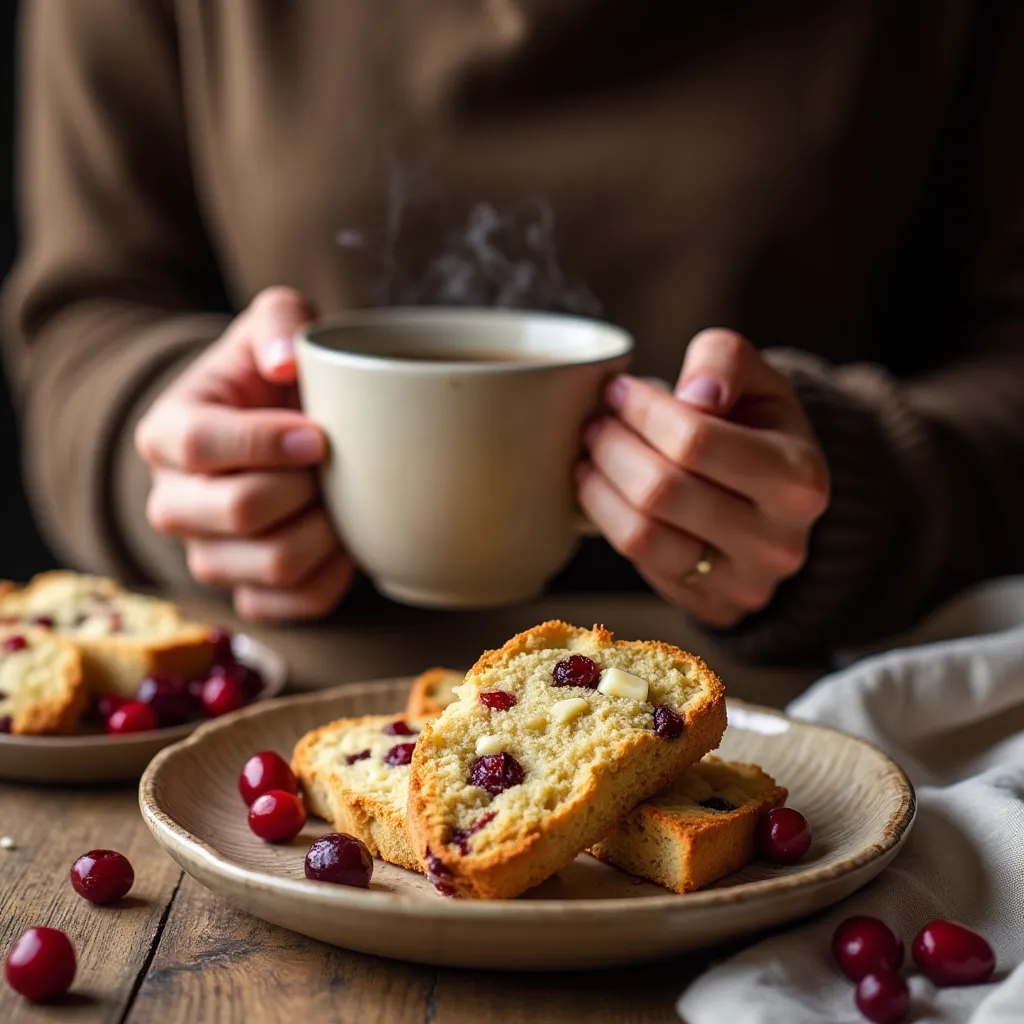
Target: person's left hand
pixel 726 470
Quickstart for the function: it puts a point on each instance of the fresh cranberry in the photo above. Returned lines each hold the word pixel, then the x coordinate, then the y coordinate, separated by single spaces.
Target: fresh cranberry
pixel 341 859
pixel 951 954
pixel 107 704
pixel 883 997
pixel 222 695
pixel 717 803
pixel 496 773
pixel 262 773
pixel 169 698
pixel 223 653
pixel 247 678
pixel 42 622
pixel 783 835
pixel 361 756
pixel 862 945
pixel 13 644
pixel 131 717
pixel 6 723
pixel 398 728
pixel 399 754
pixel 277 816
pixel 667 724
pixel 576 670
pixel 41 965
pixel 461 836
pixel 498 700
pixel 102 876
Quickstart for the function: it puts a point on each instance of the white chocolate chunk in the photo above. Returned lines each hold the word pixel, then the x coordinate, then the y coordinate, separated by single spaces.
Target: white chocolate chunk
pixel 616 683
pixel 537 724
pixel 563 711
pixel 488 745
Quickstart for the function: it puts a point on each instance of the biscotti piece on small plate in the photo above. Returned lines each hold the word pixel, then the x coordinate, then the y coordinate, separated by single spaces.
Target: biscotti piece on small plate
pixel 554 738
pixel 41 687
pixel 697 830
pixel 355 774
pixel 123 637
pixel 432 692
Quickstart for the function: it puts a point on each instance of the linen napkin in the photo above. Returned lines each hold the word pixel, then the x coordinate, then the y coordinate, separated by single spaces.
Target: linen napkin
pixel 951 714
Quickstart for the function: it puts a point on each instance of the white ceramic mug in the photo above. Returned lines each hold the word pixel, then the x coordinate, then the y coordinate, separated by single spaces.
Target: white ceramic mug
pixel 453 434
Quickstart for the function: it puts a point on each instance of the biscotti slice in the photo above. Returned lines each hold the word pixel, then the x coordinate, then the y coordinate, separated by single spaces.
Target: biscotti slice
pixel 697 830
pixel 41 687
pixel 432 692
pixel 355 774
pixel 122 637
pixel 554 738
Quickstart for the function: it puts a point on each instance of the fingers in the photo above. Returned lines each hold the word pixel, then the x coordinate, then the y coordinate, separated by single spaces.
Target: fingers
pixel 198 438
pixel 312 599
pixel 283 558
pixel 237 505
pixel 275 317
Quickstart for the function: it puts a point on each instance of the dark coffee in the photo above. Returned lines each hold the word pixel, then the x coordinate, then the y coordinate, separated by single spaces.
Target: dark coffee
pixel 472 355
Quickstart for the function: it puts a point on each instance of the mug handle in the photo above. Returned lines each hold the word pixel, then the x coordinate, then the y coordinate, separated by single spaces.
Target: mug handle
pixel 584 527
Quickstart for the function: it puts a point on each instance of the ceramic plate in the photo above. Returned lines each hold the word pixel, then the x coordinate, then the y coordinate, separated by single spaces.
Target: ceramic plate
pixel 860 805
pixel 91 758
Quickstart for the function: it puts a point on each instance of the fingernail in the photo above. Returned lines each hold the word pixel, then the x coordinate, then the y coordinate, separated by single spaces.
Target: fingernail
pixel 279 352
pixel 703 391
pixel 590 434
pixel 303 445
pixel 615 393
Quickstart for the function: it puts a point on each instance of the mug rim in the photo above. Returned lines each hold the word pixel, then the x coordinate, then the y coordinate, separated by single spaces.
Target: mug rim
pixel 310 338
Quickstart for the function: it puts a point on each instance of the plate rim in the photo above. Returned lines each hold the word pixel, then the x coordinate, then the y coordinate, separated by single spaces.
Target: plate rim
pixel 175 838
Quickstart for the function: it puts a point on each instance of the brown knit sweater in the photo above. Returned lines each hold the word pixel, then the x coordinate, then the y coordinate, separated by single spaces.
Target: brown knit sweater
pixel 842 182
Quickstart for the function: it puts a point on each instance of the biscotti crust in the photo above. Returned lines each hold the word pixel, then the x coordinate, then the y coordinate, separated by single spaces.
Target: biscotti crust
pixel 427 696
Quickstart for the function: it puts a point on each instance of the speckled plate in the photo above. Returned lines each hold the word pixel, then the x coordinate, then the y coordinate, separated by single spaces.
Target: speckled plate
pixel 860 805
pixel 96 757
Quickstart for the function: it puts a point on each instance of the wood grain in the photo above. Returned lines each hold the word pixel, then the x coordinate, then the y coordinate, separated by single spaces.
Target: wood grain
pixel 51 827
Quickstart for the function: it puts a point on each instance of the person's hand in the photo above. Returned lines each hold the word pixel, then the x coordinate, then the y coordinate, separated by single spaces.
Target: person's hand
pixel 232 462
pixel 725 472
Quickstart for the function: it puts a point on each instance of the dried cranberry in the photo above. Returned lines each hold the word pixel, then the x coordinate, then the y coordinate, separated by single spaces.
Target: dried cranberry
pixel 460 837
pixel 340 859
pixel 6 723
pixel 446 889
pixel 115 622
pixel 951 954
pixel 576 670
pixel 13 644
pixel 716 803
pixel 435 866
pixel 262 773
pixel 783 835
pixel 222 695
pixel 277 816
pixel 361 756
pixel 667 724
pixel 102 876
pixel 131 717
pixel 169 698
pixel 862 945
pixel 498 700
pixel 883 997
pixel 496 773
pixel 42 622
pixel 398 728
pixel 41 965
pixel 223 653
pixel 399 754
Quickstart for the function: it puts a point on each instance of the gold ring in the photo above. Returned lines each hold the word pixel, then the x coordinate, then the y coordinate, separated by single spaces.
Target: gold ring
pixel 704 565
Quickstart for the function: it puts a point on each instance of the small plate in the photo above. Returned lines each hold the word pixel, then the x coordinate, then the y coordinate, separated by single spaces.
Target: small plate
pixel 859 802
pixel 96 757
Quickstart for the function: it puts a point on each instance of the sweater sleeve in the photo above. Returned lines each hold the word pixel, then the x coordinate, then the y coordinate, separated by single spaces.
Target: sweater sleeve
pixel 928 472
pixel 115 285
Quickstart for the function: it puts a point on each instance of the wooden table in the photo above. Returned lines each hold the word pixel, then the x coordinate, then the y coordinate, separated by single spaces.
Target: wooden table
pixel 174 952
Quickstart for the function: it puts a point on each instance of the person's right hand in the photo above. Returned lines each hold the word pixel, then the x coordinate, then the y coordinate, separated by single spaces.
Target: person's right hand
pixel 232 461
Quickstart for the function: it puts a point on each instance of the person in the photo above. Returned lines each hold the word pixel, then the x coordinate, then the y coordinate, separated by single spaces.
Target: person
pixel 810 216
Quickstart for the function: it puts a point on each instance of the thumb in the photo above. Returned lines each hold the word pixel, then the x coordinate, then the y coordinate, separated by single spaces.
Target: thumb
pixel 720 367
pixel 276 316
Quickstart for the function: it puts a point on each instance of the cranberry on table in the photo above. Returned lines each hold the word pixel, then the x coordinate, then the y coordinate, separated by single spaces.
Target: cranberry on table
pixel 340 859
pixel 169 698
pixel 667 724
pixel 498 700
pixel 883 997
pixel 783 835
pixel 398 728
pixel 262 773
pixel 277 816
pixel 862 945
pixel 952 954
pixel 41 965
pixel 131 717
pixel 221 695
pixel 102 876
pixel 576 670
pixel 496 773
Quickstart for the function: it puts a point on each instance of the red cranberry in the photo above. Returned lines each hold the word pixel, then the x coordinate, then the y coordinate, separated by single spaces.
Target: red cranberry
pixel 496 773
pixel 576 670
pixel 223 653
pixel 951 954
pixel 399 754
pixel 41 965
pixel 717 803
pixel 783 835
pixel 131 717
pixel 341 859
pixel 277 816
pixel 262 773
pixel 460 837
pixel 107 704
pixel 168 697
pixel 883 997
pixel 13 644
pixel 435 866
pixel 361 756
pixel 222 695
pixel 667 724
pixel 102 876
pixel 398 728
pixel 42 622
pixel 862 945
pixel 6 723
pixel 498 700
pixel 247 678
